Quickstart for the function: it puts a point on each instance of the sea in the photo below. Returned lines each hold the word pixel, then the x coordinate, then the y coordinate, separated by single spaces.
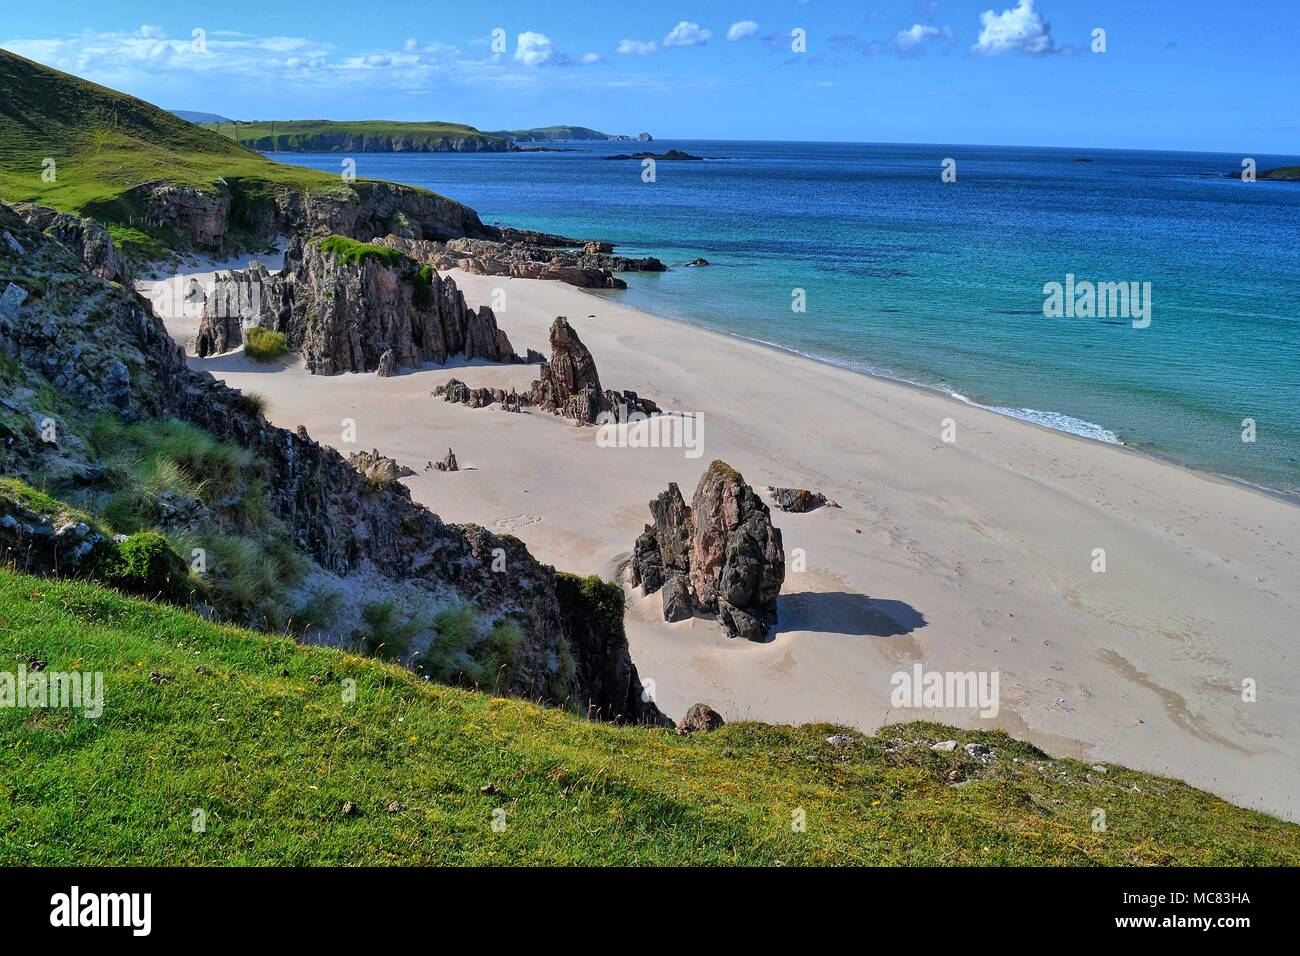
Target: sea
pixel 935 265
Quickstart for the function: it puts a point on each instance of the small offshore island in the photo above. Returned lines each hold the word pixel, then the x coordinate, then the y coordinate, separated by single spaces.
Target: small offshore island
pixel 672 155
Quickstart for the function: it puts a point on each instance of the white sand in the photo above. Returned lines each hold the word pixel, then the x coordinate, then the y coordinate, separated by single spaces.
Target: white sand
pixel 981 551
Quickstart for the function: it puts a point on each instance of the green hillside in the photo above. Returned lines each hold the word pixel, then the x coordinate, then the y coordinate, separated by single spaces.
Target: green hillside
pixel 255 733
pixel 554 133
pixel 103 143
pixel 365 136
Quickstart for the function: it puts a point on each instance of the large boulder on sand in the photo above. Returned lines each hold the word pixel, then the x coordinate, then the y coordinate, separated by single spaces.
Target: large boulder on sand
pixel 723 552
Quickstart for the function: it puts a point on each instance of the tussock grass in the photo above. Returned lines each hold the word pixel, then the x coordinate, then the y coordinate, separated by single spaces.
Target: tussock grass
pixel 244 733
pixel 387 630
pixel 264 345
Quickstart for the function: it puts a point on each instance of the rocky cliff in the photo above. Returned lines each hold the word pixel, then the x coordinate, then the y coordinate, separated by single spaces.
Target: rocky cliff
pixel 241 214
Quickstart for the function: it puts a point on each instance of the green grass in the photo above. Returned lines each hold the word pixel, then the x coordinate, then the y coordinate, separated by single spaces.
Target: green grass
pixel 320 136
pixel 264 345
pixel 351 251
pixel 150 457
pixel 387 631
pixel 267 739
pixel 103 143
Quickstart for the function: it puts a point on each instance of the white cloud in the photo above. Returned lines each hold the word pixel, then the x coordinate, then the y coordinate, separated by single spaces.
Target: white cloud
pixel 534 49
pixel 684 34
pixel 638 48
pixel 164 70
pixel 1019 28
pixel 911 42
pixel 687 34
pixel 591 58
pixel 741 29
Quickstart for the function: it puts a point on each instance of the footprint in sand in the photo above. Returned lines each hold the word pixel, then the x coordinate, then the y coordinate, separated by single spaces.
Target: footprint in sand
pixel 515 522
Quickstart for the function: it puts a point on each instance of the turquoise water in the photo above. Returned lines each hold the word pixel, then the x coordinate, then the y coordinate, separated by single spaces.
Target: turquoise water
pixel 942 284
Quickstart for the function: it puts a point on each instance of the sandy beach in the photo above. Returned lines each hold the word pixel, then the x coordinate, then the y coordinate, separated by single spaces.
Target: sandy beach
pixel 971 555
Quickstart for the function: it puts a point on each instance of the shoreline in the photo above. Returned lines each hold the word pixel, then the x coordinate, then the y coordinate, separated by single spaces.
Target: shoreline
pixel 964 557
pixel 1163 456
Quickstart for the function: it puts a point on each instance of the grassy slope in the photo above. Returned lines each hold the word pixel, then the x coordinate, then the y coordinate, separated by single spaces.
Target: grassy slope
pixel 243 732
pixel 308 135
pixel 105 143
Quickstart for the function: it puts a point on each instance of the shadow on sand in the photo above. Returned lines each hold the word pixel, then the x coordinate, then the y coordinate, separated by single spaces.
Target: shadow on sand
pixel 838 612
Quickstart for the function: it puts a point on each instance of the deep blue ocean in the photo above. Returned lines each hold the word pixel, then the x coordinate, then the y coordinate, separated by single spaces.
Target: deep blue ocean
pixel 942 284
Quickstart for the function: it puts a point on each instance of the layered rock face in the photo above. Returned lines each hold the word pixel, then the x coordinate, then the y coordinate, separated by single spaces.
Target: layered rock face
pixel 85 238
pixel 232 214
pixel 359 316
pixel 721 556
pixel 346 315
pixel 75 331
pixel 570 385
pixel 240 298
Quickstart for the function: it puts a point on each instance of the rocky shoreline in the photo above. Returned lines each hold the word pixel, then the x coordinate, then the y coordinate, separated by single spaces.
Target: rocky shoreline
pixel 99 345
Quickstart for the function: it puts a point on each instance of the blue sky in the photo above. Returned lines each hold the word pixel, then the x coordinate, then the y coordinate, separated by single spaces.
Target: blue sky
pixel 1176 74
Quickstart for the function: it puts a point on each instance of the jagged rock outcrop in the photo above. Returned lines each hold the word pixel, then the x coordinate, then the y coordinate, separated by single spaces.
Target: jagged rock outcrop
pixel 570 385
pixel 799 500
pixel 722 554
pixel 361 315
pixel 378 468
pixel 663 550
pixel 85 238
pixel 447 464
pixel 75 329
pixel 521 254
pixel 458 392
pixel 240 298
